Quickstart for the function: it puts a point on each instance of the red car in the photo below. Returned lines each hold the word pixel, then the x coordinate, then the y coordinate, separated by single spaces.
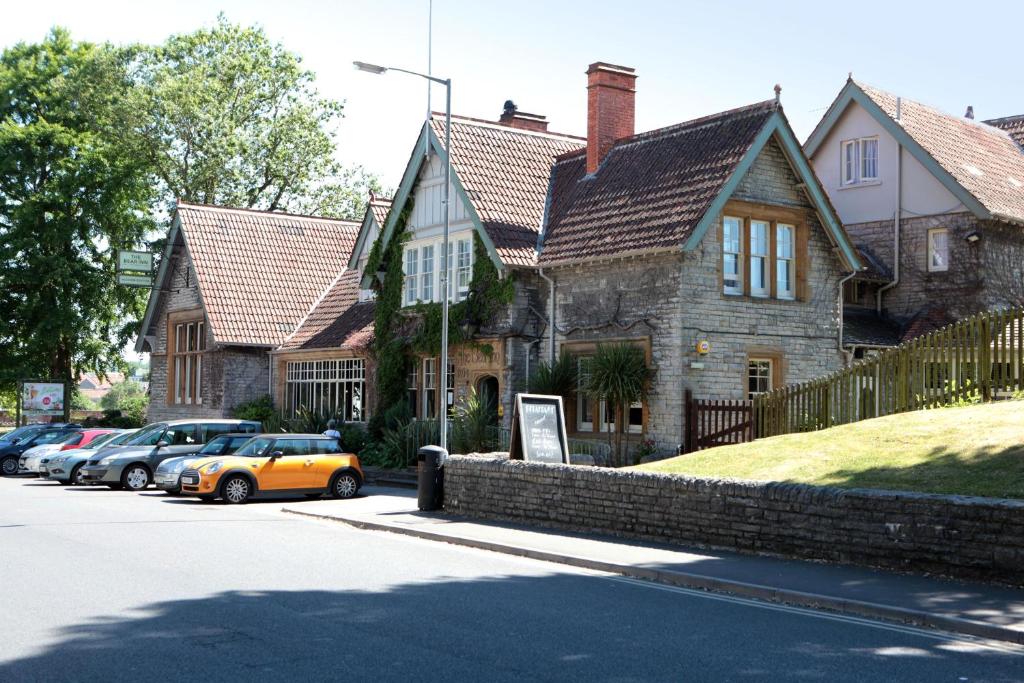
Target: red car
pixel 83 438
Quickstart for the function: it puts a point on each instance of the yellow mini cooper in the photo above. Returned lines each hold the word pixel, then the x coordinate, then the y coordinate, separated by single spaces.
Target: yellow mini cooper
pixel 276 464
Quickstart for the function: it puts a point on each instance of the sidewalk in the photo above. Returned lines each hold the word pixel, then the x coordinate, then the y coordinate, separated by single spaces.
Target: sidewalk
pixel 976 609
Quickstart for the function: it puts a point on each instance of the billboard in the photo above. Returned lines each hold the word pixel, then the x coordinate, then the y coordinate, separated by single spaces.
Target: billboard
pixel 42 398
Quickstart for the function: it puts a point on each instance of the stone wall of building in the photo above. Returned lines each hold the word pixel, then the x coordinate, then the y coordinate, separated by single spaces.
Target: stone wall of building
pixel 952 535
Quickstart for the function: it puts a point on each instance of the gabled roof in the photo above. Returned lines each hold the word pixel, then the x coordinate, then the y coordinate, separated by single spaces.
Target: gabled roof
pixel 1013 125
pixel 337 320
pixel 504 173
pixel 662 190
pixel 374 220
pixel 979 164
pixel 258 272
pixel 865 327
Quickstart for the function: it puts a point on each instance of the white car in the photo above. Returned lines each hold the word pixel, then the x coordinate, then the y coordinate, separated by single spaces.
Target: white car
pixel 28 463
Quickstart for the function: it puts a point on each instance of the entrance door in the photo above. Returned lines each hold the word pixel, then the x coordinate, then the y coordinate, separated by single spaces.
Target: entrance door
pixel 487 392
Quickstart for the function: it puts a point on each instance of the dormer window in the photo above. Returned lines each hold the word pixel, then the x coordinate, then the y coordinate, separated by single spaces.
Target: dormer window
pixel 860 161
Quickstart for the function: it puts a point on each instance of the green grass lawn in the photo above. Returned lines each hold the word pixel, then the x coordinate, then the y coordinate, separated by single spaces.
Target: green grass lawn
pixel 975 450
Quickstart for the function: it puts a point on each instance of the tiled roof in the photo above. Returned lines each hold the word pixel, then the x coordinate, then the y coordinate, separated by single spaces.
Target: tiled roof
pixel 865 327
pixel 338 320
pixel 379 207
pixel 925 322
pixel 651 190
pixel 258 271
pixel 983 159
pixel 874 269
pixel 505 174
pixel 1014 125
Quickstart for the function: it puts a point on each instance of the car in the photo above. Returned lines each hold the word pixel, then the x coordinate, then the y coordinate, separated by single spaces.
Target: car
pixel 169 471
pixel 11 451
pixel 66 467
pixel 276 464
pixel 132 467
pixel 32 459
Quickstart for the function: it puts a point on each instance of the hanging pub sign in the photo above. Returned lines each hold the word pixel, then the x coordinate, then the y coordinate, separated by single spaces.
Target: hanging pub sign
pixel 134 261
pixel 538 430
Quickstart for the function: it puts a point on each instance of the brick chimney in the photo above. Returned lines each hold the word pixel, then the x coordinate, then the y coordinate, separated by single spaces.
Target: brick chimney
pixel 513 118
pixel 611 93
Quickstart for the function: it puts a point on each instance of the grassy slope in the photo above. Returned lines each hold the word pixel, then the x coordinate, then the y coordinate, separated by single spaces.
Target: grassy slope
pixel 975 450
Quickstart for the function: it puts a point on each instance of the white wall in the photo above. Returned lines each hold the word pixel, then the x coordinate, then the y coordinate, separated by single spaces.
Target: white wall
pixel 922 193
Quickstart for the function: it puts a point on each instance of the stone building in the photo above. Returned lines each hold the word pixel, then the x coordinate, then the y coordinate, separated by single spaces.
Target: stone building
pixel 934 202
pixel 233 284
pixel 710 245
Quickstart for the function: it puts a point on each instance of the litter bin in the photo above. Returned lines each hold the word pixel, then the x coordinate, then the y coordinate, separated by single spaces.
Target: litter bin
pixel 430 477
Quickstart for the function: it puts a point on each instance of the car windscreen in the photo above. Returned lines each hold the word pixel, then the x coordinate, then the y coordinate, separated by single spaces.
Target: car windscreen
pixel 255 448
pixel 21 433
pixel 123 438
pixel 101 440
pixel 148 436
pixel 215 446
pixel 54 437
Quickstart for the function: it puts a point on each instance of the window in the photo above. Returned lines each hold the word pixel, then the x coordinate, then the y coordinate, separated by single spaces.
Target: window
pixel 208 430
pixel 759 376
pixel 335 386
pixel 429 389
pixel 759 258
pixel 860 161
pixel 732 256
pixel 411 383
pixel 424 266
pixel 411 256
pixel 180 435
pixel 784 272
pixel 188 343
pixel 292 446
pixel 584 407
pixel 938 250
pixel 427 273
pixel 587 407
pixel 450 388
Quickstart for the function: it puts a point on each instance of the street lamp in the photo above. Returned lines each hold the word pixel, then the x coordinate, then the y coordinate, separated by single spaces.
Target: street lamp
pixel 447 83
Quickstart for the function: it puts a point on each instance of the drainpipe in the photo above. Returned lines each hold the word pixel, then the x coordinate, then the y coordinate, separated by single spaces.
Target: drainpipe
pixel 270 376
pixel 551 312
pixel 896 222
pixel 847 355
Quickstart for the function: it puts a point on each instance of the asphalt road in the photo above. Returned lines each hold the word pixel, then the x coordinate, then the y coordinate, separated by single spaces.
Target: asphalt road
pixel 114 586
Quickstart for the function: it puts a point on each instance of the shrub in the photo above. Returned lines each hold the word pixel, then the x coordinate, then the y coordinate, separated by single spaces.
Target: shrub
pixel 261 409
pixel 472 425
pixel 353 438
pixel 619 375
pixel 555 379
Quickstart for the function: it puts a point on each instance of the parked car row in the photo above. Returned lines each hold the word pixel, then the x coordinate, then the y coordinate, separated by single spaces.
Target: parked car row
pixel 209 459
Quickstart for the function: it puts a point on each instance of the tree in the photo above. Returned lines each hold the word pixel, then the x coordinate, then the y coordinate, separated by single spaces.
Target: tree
pixel 555 379
pixel 70 196
pixel 121 394
pixel 619 375
pixel 232 118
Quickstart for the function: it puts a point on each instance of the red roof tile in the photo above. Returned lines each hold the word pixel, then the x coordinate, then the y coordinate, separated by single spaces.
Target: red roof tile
pixel 337 320
pixel 651 190
pixel 982 158
pixel 259 272
pixel 505 174
pixel 1013 125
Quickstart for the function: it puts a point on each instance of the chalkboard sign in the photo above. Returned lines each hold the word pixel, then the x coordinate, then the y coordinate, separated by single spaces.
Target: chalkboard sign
pixel 538 430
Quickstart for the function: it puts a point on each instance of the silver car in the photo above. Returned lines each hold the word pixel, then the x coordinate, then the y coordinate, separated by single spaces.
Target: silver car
pixel 132 467
pixel 168 474
pixel 66 467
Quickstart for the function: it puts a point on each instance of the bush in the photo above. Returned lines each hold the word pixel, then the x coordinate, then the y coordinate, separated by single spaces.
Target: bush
pixel 261 409
pixel 120 393
pixel 473 425
pixel 555 379
pixel 353 438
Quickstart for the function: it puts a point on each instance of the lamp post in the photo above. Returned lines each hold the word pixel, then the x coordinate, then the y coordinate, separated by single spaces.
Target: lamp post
pixel 445 286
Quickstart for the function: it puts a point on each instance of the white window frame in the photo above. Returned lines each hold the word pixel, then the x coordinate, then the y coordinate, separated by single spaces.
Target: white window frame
pixel 760 253
pixel 583 403
pixel 853 159
pixel 464 267
pixel 429 388
pixel 410 267
pixel 759 364
pixel 426 275
pixel 736 256
pixel 333 385
pixel 932 266
pixel 785 260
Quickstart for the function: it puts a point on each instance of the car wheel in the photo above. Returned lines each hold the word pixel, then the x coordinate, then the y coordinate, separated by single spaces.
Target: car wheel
pixel 236 489
pixel 135 478
pixel 9 467
pixel 75 478
pixel 345 485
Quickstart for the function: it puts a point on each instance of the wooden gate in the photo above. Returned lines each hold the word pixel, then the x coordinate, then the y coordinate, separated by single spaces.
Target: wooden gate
pixel 711 422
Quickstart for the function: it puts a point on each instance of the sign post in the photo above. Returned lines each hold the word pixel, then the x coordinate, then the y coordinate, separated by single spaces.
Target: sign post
pixel 538 430
pixel 42 399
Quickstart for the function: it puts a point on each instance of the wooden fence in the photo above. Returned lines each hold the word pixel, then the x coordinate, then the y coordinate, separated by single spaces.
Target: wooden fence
pixel 981 356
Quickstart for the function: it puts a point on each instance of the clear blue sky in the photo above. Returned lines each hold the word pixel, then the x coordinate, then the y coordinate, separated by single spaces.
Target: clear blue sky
pixel 693 58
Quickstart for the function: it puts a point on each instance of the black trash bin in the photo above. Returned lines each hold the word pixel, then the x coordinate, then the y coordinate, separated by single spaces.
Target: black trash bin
pixel 430 477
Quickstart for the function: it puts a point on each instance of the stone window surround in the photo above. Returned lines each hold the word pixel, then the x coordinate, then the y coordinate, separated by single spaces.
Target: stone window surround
pixel 774 355
pixel 174 319
pixel 587 348
pixel 748 211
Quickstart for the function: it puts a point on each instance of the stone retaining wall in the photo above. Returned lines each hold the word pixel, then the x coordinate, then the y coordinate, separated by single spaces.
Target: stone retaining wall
pixel 952 535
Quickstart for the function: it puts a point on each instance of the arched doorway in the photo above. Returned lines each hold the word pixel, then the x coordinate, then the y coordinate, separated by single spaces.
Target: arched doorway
pixel 487 392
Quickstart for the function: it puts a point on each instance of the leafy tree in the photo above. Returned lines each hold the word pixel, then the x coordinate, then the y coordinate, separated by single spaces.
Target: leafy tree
pixel 555 379
pixel 80 401
pixel 70 196
pixel 619 375
pixel 232 118
pixel 122 394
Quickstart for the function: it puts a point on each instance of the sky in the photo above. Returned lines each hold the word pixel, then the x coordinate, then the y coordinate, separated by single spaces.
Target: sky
pixel 692 58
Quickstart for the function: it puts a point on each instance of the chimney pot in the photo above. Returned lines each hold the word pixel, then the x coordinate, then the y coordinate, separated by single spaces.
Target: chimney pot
pixel 513 118
pixel 970 112
pixel 611 109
